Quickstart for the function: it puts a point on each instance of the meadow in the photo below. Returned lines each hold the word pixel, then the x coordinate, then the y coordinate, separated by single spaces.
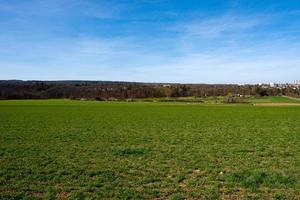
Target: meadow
pixel 63 149
pixel 277 100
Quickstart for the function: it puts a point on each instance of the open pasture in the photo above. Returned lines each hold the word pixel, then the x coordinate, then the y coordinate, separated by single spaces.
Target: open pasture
pixel 115 150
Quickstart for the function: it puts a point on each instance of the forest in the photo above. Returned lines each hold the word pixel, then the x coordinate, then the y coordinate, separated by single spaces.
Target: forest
pixel 106 90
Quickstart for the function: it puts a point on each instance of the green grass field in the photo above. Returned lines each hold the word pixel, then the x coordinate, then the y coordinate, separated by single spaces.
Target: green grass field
pixel 274 99
pixel 220 100
pixel 114 150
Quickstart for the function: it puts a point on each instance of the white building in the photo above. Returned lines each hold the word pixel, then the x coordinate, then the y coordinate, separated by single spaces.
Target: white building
pixel 297 82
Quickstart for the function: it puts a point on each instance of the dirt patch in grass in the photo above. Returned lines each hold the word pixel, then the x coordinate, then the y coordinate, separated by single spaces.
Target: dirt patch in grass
pixel 238 193
pixel 197 172
pixel 183 185
pixel 38 194
pixel 193 174
pixel 63 195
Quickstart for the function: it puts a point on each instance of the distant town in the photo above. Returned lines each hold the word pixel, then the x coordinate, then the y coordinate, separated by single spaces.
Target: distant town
pixel 295 85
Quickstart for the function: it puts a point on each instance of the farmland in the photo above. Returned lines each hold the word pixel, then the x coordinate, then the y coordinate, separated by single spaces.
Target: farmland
pixel 142 150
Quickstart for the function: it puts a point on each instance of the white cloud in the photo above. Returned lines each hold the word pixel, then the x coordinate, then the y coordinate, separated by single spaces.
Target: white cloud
pixel 51 8
pixel 220 26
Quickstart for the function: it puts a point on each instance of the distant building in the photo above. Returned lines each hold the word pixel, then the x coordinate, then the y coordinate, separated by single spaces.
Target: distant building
pixel 297 82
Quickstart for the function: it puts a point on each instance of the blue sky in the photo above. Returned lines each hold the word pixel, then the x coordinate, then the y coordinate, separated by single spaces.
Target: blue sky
pixel 187 41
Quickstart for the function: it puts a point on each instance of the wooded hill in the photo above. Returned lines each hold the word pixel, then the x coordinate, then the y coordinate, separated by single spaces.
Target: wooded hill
pixel 103 90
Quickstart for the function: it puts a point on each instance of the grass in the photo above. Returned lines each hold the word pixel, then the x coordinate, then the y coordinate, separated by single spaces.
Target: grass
pixel 220 100
pixel 274 99
pixel 115 150
pixel 207 100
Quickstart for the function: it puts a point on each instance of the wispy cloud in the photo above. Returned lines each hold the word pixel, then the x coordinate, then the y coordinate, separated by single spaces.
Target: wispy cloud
pixel 221 26
pixel 50 8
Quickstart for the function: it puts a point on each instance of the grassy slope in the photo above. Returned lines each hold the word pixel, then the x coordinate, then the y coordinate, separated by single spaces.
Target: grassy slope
pixel 73 149
pixel 275 99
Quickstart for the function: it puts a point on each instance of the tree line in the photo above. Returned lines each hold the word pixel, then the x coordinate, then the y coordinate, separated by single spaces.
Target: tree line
pixel 105 90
